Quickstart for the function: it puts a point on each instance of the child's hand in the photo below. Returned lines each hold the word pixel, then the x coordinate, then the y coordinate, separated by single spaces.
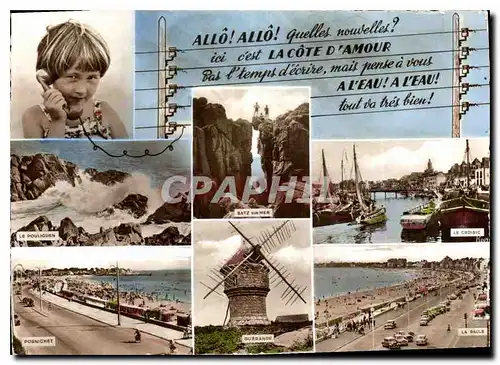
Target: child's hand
pixel 54 103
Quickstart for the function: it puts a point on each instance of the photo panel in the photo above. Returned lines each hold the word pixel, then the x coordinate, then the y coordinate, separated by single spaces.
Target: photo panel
pixel 372 74
pixel 68 193
pixel 101 301
pixel 252 287
pixel 392 191
pixel 402 297
pixel 251 152
pixel 73 67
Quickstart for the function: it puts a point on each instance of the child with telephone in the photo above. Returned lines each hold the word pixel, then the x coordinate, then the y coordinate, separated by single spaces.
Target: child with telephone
pixel 72 59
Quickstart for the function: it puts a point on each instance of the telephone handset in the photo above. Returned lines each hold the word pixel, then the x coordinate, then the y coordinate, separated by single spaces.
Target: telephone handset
pixel 43 79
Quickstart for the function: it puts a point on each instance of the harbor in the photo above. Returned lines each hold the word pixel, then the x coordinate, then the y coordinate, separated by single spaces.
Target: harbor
pixel 449 203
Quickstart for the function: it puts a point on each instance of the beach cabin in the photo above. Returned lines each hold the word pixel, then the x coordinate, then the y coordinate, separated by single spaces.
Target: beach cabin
pixel 183 319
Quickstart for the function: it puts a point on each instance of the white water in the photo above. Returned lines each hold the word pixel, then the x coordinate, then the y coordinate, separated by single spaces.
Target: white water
pixel 84 202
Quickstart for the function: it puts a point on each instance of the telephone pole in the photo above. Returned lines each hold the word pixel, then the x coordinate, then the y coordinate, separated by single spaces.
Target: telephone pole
pixel 162 66
pixel 117 270
pixel 40 285
pixel 455 124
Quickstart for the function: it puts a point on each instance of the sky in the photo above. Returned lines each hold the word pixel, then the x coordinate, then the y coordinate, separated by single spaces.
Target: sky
pixel 412 252
pixel 216 242
pixel 239 102
pixel 380 160
pixel 131 257
pixel 183 27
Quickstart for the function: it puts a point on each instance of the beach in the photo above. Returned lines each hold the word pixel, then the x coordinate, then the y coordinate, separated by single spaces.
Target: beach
pixel 106 291
pixel 346 305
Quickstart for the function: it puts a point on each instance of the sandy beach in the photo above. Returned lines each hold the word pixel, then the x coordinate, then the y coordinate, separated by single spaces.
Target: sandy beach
pixel 347 304
pixel 107 291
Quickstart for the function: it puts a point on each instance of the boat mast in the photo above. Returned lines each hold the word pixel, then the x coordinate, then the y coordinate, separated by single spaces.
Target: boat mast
pixel 357 180
pixel 467 152
pixel 342 173
pixel 326 177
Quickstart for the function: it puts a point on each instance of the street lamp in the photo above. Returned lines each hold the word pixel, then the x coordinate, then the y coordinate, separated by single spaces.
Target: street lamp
pixel 117 269
pixel 14 270
pixel 372 314
pixel 40 284
pixel 408 308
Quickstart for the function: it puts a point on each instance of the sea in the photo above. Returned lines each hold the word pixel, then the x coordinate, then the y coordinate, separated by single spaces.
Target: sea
pixel 168 284
pixel 84 202
pixel 335 281
pixel 388 232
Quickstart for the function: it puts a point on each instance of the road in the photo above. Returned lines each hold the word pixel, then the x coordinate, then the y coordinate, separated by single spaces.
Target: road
pixel 79 335
pixel 436 331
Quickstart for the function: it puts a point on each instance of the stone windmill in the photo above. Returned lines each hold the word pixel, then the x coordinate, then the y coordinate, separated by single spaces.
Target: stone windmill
pixel 249 273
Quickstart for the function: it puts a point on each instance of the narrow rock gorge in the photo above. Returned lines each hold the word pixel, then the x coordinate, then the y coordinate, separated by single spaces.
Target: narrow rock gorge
pixel 222 148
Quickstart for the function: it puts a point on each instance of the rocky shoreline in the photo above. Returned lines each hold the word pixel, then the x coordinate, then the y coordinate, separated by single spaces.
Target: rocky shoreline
pixel 31 176
pixel 124 234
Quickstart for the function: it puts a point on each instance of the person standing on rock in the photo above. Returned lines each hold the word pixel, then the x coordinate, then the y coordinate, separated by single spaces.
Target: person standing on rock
pixel 256 109
pixel 266 111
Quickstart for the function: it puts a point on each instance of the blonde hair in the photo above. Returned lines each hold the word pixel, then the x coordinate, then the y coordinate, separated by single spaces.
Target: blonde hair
pixel 72 43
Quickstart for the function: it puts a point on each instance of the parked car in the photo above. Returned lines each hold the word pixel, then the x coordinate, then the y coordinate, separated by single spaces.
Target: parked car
pixel 421 340
pixel 387 340
pixel 391 343
pixel 390 324
pixel 17 322
pixel 401 340
pixel 28 302
pixel 408 337
pixel 424 321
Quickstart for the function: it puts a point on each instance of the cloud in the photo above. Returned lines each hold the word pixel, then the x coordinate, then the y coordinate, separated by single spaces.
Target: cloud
pixel 413 252
pixel 442 153
pixel 217 252
pixel 239 102
pixel 132 257
pixel 379 160
pixel 297 258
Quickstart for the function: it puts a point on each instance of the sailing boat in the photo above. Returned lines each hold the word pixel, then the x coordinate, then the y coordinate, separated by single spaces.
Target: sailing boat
pixel 465 211
pixel 420 217
pixel 369 215
pixel 333 212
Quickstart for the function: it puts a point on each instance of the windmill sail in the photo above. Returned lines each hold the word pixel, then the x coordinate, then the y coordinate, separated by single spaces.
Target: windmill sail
pixel 295 290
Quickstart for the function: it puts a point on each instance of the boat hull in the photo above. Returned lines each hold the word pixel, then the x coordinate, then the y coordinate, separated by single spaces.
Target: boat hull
pixel 413 226
pixel 375 219
pixel 416 222
pixel 465 213
pixel 328 218
pixel 464 218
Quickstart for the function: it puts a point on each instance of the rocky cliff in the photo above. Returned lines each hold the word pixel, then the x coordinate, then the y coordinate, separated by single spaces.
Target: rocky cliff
pixel 221 148
pixel 30 176
pixel 125 234
pixel 284 150
pixel 284 143
pixel 172 212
